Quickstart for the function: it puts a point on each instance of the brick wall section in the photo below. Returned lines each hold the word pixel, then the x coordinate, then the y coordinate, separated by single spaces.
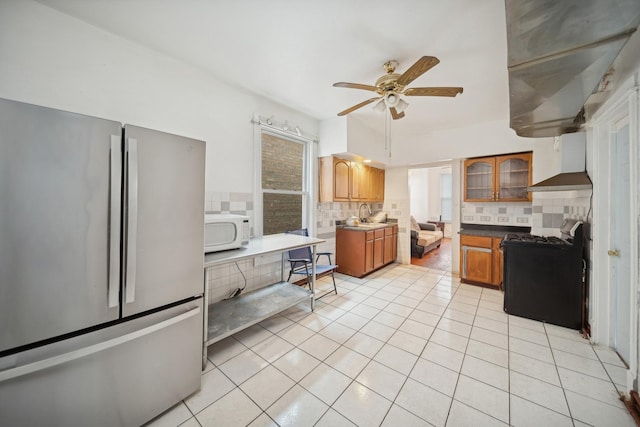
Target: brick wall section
pixel 282 168
pixel 282 162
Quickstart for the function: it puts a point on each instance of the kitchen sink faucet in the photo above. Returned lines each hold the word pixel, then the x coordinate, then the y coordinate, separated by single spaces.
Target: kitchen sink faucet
pixel 362 218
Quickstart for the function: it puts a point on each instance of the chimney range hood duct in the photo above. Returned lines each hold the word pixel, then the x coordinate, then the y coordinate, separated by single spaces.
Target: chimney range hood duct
pixel 569 159
pixel 558 52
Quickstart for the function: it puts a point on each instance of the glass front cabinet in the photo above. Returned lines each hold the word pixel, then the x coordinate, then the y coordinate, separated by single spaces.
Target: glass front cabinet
pixel 499 178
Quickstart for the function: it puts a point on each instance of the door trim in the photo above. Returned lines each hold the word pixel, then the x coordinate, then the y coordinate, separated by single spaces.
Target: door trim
pixel 601 288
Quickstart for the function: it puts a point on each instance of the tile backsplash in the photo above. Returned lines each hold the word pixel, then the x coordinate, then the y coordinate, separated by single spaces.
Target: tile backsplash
pixel 493 213
pixel 551 208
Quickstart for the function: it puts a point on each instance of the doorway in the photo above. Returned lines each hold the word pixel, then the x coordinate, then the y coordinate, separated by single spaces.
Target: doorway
pixel 619 254
pixel 614 247
pixel 430 201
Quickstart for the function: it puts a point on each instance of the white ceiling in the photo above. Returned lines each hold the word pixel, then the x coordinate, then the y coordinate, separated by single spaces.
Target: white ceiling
pixel 292 51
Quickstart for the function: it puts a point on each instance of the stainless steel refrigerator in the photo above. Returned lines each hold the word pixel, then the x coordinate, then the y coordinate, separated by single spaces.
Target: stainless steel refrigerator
pixel 101 269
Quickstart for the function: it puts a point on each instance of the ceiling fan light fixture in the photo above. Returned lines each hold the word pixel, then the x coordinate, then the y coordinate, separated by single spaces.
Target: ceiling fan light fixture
pixel 401 106
pixel 391 99
pixel 380 106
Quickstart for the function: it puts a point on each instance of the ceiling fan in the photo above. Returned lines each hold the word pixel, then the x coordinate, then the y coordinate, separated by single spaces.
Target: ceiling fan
pixel 392 85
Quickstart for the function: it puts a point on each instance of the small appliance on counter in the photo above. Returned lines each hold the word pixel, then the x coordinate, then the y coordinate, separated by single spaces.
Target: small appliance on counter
pixel 543 276
pixel 225 231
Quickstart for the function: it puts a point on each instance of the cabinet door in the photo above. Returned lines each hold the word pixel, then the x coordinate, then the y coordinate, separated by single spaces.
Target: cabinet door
pixel 395 243
pixel 477 263
pixel 479 179
pixel 368 256
pixel 341 180
pixel 513 176
pixel 388 246
pixel 378 248
pixel 359 182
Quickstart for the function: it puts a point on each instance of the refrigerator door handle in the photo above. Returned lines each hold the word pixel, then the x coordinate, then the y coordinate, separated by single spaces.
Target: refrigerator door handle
pixel 132 218
pixel 114 222
pixel 92 349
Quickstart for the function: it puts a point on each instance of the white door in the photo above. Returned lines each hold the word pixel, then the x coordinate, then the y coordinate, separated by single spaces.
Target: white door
pixel 620 246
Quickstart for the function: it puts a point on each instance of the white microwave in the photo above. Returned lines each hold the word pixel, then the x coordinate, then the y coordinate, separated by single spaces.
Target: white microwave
pixel 225 231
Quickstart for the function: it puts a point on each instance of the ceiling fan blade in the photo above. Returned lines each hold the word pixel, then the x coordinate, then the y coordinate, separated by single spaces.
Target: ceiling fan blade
pixel 433 91
pixel 421 66
pixel 395 114
pixel 355 86
pixel 355 107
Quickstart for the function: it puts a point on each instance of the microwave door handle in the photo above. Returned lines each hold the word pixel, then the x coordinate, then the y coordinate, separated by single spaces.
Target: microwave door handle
pixel 132 218
pixel 115 169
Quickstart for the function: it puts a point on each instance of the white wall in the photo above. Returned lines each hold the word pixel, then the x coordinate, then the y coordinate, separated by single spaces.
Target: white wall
pixel 418 193
pixel 482 139
pixel 51 59
pixel 396 203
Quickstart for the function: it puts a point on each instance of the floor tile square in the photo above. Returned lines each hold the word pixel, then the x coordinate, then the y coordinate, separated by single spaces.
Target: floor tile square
pixel 296 408
pixel 272 348
pixel 491 325
pixel 365 311
pixel 223 350
pixel 589 386
pixel 486 372
pixel 424 317
pixel 296 364
pixel 389 319
pixel 450 340
pixel 424 402
pixel 378 330
pixel 276 323
pixel 337 332
pixel 483 397
pixel 408 342
pixel 396 358
pixel 364 344
pixel 398 309
pixel 252 335
pixel 585 365
pixel 333 419
pixel 325 383
pixel 243 366
pixel 398 416
pixel 295 334
pixel 418 329
pixel 262 421
pixel 267 386
pixel 597 413
pixel 443 356
pixel 459 316
pixel 315 322
pixel 535 368
pixel 347 361
pixel 583 349
pixel 530 349
pixel 319 346
pixel 362 406
pixel 454 327
pixel 490 337
pixel 529 335
pixel 435 376
pixel 493 315
pixel 381 379
pixel 224 412
pixel 213 385
pixel 540 392
pixel 527 414
pixel 462 415
pixel 352 321
pixel 376 302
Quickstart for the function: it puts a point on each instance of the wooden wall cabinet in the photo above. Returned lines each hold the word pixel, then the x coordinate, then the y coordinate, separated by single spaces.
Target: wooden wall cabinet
pixel 342 180
pixel 499 178
pixel 359 252
pixel 481 260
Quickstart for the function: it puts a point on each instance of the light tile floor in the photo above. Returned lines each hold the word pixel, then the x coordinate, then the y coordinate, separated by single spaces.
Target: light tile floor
pixel 406 346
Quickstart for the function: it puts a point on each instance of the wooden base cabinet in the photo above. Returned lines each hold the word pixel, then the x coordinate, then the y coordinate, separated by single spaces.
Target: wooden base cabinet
pixel 359 252
pixel 480 260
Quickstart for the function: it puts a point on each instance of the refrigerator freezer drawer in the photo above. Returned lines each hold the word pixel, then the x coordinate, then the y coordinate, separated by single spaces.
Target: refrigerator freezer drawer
pixel 119 376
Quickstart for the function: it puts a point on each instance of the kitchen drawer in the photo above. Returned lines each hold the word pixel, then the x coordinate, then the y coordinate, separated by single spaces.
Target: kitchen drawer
pixel 388 231
pixel 476 241
pixel 369 235
pixel 379 234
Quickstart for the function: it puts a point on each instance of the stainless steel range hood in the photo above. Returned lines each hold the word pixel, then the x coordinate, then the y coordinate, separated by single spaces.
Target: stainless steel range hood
pixel 564 182
pixel 558 52
pixel 567 161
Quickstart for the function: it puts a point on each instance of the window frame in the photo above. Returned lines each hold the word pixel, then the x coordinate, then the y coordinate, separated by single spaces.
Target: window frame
pixel 307 174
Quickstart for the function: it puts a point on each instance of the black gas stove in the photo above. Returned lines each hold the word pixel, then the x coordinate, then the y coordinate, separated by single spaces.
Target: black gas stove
pixel 543 276
pixel 539 240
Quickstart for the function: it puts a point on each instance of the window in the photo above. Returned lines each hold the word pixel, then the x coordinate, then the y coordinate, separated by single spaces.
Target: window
pixel 445 197
pixel 284 187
